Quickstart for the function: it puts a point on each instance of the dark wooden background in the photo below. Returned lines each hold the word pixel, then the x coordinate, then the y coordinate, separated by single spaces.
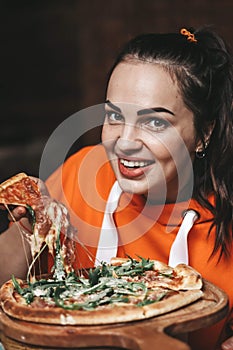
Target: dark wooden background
pixel 55 57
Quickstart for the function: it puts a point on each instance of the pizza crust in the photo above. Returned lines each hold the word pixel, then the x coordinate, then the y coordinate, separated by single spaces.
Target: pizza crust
pixel 11 181
pixel 191 278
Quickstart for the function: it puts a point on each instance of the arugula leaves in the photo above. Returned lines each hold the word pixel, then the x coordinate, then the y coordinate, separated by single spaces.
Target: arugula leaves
pixel 103 286
pixel 133 267
pixel 32 214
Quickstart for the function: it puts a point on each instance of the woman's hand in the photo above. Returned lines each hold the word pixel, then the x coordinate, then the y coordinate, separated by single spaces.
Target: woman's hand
pixel 228 344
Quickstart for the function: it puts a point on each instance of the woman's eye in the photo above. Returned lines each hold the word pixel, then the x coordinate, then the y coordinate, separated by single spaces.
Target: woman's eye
pixel 114 117
pixel 156 124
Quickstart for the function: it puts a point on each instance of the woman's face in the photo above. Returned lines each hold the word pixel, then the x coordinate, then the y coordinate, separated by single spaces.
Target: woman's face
pixel 148 132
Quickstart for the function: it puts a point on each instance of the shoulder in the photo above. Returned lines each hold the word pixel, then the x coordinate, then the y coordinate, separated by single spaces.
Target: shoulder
pixel 86 154
pixel 89 164
pixel 89 156
pixel 86 167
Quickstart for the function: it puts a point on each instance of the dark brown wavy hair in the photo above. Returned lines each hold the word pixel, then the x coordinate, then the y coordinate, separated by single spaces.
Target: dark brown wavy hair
pixel 204 72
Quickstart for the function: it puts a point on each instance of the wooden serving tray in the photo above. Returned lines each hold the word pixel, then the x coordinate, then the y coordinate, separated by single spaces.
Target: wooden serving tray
pixel 160 332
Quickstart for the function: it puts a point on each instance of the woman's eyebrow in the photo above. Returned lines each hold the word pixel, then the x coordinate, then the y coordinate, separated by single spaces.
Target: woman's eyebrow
pixel 155 109
pixel 110 104
pixel 141 111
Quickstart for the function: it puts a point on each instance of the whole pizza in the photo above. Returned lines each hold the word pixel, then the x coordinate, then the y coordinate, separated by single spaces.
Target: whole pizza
pixel 125 290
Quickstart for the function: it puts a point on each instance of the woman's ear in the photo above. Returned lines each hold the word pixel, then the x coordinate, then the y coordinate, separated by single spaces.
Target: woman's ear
pixel 209 132
pixel 202 144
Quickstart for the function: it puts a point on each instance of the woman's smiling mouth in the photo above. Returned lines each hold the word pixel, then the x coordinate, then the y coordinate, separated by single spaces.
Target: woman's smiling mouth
pixel 133 168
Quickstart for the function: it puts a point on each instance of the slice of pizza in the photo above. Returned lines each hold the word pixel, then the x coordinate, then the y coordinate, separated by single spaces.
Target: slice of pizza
pixel 19 190
pixel 49 217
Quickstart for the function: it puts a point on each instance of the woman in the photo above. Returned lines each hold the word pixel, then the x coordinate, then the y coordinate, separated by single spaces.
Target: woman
pixel 167 151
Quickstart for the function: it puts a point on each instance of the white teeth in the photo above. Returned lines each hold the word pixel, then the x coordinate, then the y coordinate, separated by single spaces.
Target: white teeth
pixel 132 164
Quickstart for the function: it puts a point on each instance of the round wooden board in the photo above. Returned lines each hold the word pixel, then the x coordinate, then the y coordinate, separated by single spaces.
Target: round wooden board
pixel 158 332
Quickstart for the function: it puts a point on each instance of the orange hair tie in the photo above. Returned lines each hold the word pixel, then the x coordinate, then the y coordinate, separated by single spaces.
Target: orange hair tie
pixel 190 36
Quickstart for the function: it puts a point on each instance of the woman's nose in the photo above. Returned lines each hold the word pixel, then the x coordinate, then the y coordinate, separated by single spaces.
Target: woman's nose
pixel 129 139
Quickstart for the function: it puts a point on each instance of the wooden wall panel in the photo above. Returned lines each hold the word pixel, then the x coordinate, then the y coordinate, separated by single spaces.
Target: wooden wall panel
pixel 55 57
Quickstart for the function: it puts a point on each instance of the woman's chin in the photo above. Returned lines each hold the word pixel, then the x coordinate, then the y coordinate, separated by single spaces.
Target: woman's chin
pixel 132 186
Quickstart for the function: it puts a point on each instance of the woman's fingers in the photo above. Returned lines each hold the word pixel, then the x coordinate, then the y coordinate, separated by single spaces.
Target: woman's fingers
pixel 17 213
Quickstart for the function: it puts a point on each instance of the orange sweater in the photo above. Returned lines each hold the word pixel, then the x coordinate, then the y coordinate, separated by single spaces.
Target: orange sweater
pixel 83 184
